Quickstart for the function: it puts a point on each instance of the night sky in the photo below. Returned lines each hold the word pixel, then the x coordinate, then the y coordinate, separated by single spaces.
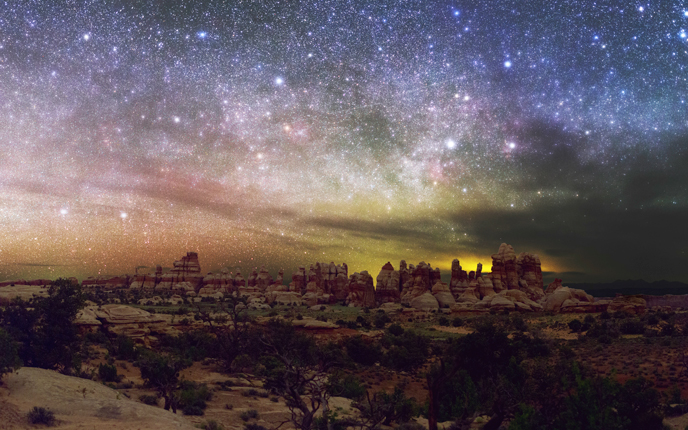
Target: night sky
pixel 281 134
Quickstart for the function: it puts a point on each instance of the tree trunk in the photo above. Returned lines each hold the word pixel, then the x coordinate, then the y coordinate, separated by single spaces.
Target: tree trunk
pixel 168 403
pixel 307 422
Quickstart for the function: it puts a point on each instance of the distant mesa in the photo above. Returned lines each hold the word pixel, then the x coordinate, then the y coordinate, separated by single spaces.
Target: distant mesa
pixel 514 283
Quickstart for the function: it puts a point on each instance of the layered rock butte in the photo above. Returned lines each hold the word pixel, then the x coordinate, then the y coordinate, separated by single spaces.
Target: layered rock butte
pixel 514 284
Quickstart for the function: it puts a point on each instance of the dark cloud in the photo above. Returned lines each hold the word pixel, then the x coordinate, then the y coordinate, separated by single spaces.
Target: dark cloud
pixel 603 240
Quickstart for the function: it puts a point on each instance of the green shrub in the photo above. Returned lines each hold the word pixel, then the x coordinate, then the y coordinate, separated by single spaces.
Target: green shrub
pixel 345 385
pixel 362 352
pixel 406 352
pixel 575 325
pixel 149 399
pixel 108 373
pixel 193 398
pixel 9 357
pixel 518 323
pixel 457 322
pixel 40 415
pixel 396 330
pixel 381 319
pixel 247 415
pixel 211 425
pixel 251 392
pixel 443 321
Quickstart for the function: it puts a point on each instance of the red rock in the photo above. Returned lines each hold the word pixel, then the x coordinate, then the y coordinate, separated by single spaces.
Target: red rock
pixel 361 290
pixel 251 281
pixel 552 287
pixel 418 283
pixel 634 305
pixel 239 281
pixel 299 281
pixel 188 265
pixel 459 279
pixel 263 279
pixel 387 289
pixel 107 283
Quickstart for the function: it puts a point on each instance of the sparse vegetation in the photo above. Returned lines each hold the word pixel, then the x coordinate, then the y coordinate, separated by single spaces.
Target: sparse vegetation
pixel 250 414
pixel 41 415
pixel 148 399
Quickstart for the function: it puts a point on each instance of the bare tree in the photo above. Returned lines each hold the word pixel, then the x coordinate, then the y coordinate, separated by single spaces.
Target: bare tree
pixel 231 325
pixel 297 369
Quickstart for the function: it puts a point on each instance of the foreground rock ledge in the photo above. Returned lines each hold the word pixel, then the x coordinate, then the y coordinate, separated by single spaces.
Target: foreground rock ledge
pixel 82 403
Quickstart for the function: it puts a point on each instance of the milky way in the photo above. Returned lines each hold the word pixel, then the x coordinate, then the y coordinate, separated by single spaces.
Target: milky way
pixel 281 134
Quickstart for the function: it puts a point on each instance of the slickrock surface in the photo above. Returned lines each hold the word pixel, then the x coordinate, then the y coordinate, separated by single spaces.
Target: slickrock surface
pixel 78 403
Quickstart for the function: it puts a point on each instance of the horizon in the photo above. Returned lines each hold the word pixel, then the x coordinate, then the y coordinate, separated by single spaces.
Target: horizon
pixel 366 132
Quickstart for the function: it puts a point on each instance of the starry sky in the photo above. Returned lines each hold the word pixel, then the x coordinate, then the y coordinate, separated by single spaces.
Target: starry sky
pixel 285 133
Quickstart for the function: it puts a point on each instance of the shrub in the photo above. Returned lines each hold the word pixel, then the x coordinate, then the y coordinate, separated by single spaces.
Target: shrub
pixel 254 426
pixel 361 351
pixel 381 319
pixel 406 352
pixel 518 323
pixel 247 415
pixel 632 326
pixel 251 392
pixel 193 397
pixel 108 373
pixel 9 358
pixel 589 319
pixel 457 322
pixel 211 425
pixel 363 322
pixel 652 319
pixel 124 348
pixel 668 330
pixel 149 399
pixel 348 386
pixel 443 321
pixel 396 330
pixel 40 415
pixel 575 325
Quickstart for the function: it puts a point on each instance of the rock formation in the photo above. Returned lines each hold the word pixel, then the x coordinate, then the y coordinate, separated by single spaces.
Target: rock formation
pixel 361 290
pixel 443 294
pixel 418 282
pixel 387 289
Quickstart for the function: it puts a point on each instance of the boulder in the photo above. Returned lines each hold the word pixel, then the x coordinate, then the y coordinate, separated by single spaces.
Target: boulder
pixel 470 295
pixel 555 300
pixel 443 294
pixel 634 305
pixel 499 303
pixel 425 302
